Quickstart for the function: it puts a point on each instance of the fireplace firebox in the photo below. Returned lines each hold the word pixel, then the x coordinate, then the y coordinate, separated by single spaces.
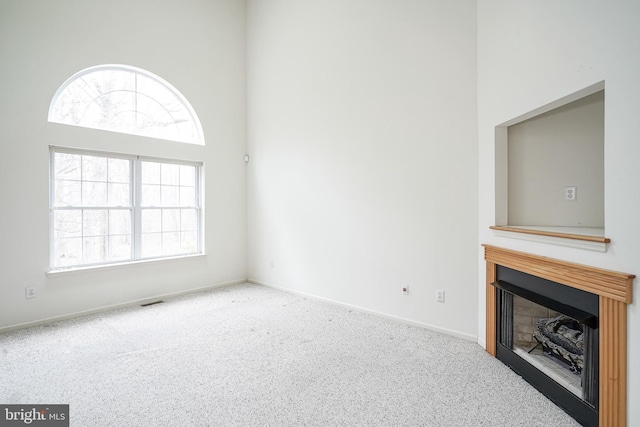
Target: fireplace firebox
pixel 548 333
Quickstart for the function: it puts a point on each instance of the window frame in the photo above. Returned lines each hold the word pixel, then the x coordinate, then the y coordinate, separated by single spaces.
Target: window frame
pixel 168 87
pixel 136 208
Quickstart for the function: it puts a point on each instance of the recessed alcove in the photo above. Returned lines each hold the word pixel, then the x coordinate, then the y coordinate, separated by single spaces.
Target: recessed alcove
pixel 550 172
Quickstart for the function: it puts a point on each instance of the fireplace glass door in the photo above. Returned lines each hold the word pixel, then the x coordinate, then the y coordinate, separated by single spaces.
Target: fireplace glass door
pixel 551 338
pixel 556 344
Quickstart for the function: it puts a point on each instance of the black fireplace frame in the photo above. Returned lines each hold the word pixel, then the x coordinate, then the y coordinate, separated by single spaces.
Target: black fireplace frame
pixel 580 305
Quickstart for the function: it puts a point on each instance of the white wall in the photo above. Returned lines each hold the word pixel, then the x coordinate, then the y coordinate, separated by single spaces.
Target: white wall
pixel 362 135
pixel 197 46
pixel 531 53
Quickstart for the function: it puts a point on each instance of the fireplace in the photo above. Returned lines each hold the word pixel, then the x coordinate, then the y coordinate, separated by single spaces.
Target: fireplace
pixel 548 333
pixel 582 368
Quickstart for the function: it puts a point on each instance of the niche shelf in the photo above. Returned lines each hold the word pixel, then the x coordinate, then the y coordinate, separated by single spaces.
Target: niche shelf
pixel 575 237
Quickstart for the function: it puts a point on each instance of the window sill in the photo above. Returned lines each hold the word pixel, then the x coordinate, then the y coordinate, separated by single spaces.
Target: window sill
pixel 105 267
pixel 576 237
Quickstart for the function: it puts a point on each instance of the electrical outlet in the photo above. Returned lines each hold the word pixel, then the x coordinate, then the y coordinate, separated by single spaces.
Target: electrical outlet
pixel 30 292
pixel 439 295
pixel 405 289
pixel 570 194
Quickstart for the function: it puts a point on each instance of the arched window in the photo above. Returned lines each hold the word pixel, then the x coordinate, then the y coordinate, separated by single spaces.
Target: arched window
pixel 125 99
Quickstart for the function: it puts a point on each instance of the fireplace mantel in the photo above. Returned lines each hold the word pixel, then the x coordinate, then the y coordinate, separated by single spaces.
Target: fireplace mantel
pixel 615 292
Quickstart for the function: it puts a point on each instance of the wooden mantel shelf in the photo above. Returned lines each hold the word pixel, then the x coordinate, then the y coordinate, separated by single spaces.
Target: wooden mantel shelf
pixel 583 238
pixel 604 283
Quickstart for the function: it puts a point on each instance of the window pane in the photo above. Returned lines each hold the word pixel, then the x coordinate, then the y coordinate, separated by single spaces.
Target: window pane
pixel 170 220
pixel 187 176
pixel 93 116
pixel 68 193
pixel 67 166
pixel 94 194
pixel 187 196
pixel 170 243
pixel 169 196
pixel 118 107
pixel 94 168
pixel 119 248
pixel 151 221
pixel 119 170
pixel 189 220
pixel 157 121
pixel 189 242
pixel 67 252
pixel 94 223
pixel 150 173
pixel 119 222
pixel 94 250
pixel 151 245
pixel 67 223
pixel 160 95
pixel 170 174
pixel 151 195
pixel 118 194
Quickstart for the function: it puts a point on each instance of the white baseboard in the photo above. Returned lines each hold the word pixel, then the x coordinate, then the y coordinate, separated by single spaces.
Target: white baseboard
pixel 452 332
pixel 141 301
pixel 147 300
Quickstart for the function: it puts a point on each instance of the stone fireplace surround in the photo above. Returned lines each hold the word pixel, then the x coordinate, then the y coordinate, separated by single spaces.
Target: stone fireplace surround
pixel 614 290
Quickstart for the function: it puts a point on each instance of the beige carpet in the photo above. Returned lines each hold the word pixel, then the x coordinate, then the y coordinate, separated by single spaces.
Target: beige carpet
pixel 246 355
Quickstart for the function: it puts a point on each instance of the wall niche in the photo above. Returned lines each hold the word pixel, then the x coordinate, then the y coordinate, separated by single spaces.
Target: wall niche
pixel 550 171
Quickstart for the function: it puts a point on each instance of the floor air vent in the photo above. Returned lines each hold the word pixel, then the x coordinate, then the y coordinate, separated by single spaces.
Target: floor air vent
pixel 151 303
